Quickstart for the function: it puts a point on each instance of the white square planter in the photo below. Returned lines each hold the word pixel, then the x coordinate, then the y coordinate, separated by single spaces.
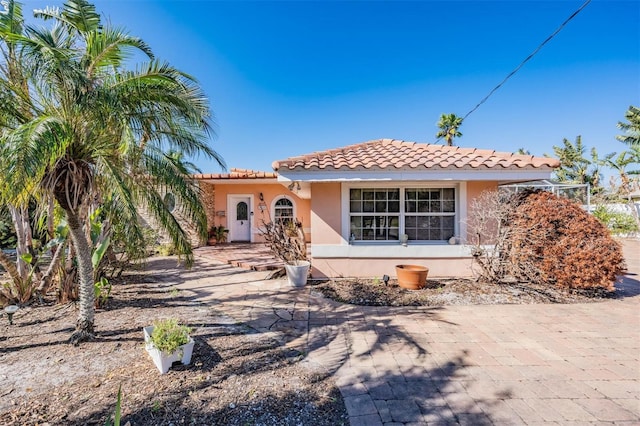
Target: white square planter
pixel 163 360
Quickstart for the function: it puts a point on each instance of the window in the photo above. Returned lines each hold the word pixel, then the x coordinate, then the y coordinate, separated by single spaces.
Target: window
pixel 430 213
pixel 283 210
pixel 242 211
pixel 383 214
pixel 375 214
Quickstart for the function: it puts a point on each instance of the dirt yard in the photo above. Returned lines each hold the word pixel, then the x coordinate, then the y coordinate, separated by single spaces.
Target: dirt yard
pixel 237 376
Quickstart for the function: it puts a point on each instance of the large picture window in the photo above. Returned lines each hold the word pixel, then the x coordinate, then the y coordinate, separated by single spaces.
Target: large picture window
pixel 383 214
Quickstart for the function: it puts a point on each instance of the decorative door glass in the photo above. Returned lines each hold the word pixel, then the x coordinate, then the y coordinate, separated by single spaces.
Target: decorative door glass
pixel 242 211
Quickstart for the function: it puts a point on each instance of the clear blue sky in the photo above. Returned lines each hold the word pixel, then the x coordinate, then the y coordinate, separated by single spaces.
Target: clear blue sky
pixel 288 78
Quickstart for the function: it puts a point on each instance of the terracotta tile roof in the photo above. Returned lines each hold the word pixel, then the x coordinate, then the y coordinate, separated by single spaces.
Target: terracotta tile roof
pixel 395 154
pixel 237 174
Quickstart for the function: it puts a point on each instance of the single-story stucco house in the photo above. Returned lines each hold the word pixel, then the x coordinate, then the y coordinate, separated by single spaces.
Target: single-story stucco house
pixel 359 202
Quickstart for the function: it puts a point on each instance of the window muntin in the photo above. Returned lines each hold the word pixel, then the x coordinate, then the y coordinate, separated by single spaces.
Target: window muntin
pixel 383 214
pixel 283 210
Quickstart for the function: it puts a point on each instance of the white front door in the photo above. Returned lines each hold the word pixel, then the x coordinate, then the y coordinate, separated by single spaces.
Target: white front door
pixel 239 218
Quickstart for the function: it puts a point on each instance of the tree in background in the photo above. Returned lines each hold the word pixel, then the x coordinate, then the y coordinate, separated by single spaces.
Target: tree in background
pixel 632 128
pixel 449 125
pixel 575 167
pixel 100 130
pixel 15 95
pixel 627 163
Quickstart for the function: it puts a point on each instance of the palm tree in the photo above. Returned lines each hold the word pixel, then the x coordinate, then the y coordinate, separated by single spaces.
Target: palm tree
pixel 628 184
pixel 16 100
pixel 101 130
pixel 574 166
pixel 632 128
pixel 448 125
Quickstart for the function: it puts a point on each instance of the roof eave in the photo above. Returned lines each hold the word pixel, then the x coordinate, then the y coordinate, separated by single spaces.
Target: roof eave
pixel 472 174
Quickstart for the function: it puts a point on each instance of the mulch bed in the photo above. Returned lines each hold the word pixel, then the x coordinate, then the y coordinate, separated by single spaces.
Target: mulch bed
pixel 440 292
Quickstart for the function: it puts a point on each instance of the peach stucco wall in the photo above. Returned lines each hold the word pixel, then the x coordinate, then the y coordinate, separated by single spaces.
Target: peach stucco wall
pixel 377 267
pixel 476 188
pixel 326 225
pixel 326 219
pixel 270 192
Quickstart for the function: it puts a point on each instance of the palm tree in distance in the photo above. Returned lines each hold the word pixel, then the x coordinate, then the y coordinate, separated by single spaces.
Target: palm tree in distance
pixel 632 128
pixel 448 125
pixel 101 131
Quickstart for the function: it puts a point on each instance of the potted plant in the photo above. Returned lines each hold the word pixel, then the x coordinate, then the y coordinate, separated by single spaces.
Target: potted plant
pixel 412 277
pixel 217 234
pixel 285 239
pixel 168 342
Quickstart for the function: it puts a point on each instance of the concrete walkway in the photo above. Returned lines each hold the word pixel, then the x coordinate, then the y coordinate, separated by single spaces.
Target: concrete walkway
pixel 503 364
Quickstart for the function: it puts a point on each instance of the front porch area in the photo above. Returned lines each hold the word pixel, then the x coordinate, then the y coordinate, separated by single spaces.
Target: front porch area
pixel 251 256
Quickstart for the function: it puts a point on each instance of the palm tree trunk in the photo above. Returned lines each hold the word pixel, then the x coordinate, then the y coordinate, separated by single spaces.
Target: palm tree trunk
pixel 45 280
pixel 84 326
pixel 20 218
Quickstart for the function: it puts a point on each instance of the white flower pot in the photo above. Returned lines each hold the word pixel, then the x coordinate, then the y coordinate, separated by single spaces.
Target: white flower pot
pixel 297 274
pixel 164 360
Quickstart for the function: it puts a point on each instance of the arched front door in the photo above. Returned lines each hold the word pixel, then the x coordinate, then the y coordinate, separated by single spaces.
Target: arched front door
pixel 239 219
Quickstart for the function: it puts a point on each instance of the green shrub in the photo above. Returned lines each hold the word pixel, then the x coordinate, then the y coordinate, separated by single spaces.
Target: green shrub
pixel 7 233
pixel 168 335
pixel 619 223
pixel 167 249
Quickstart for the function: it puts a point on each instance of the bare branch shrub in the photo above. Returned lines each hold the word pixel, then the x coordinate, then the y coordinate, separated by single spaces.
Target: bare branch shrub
pixel 286 240
pixel 491 236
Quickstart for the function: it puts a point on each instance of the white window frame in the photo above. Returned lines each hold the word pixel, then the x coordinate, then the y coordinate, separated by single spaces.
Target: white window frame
pixel 278 198
pixel 460 208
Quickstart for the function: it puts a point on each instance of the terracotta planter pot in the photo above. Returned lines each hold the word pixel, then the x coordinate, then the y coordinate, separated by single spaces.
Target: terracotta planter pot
pixel 412 277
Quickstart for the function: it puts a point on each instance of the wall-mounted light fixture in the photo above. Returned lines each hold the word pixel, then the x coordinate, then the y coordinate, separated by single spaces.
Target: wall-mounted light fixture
pixel 291 185
pixel 261 197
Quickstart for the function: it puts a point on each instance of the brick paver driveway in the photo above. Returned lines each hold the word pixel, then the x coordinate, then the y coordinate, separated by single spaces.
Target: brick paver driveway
pixel 503 364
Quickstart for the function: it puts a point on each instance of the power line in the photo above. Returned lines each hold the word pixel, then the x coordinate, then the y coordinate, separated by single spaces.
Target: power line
pixel 528 57
pixel 531 55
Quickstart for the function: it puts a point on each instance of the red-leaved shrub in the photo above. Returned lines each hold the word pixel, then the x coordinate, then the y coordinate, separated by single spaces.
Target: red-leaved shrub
pixel 568 246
